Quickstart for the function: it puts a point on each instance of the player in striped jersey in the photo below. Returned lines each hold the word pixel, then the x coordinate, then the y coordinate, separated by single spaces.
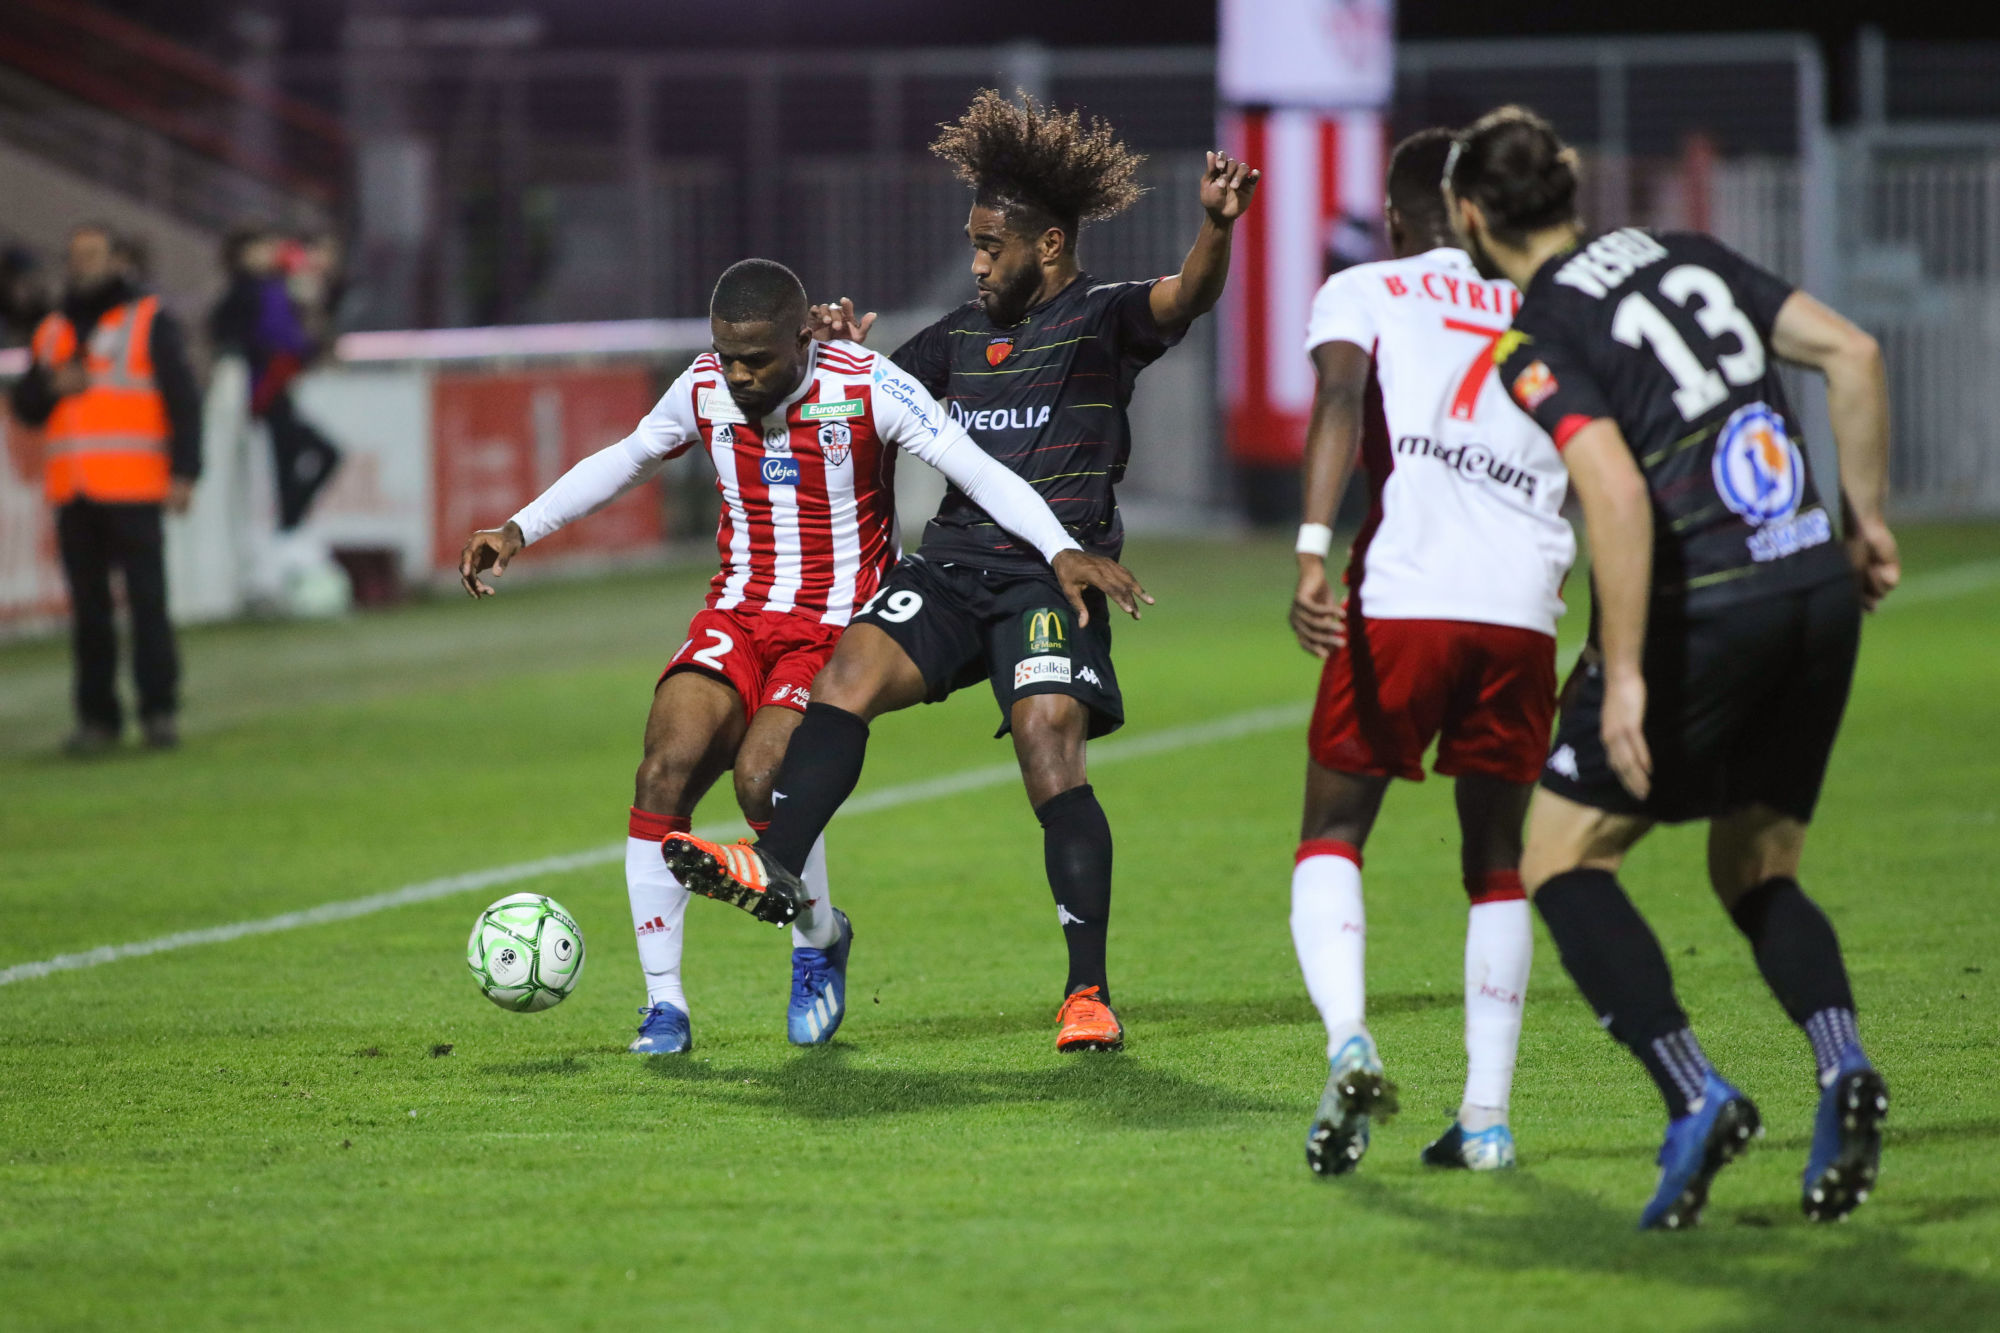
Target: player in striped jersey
pixel 802 435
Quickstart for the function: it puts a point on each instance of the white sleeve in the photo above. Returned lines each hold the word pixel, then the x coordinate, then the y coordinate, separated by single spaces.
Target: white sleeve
pixel 1342 310
pixel 908 417
pixel 666 432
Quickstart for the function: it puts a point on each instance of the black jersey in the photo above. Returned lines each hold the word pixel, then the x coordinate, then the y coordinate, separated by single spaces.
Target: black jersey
pixel 1047 397
pixel 1670 336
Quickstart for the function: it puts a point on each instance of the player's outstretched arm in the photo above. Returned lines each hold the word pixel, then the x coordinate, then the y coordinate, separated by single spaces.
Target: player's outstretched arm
pixel 488 549
pixel 1332 440
pixel 1227 187
pixel 1810 333
pixel 836 323
pixel 1618 520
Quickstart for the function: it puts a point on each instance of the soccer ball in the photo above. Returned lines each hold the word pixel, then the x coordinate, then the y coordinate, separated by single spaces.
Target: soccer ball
pixel 526 952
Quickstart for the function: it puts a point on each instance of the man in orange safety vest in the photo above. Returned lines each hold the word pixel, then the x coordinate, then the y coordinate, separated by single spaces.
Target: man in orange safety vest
pixel 112 393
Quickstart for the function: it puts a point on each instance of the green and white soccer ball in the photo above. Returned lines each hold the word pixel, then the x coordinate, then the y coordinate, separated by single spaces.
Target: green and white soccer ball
pixel 526 952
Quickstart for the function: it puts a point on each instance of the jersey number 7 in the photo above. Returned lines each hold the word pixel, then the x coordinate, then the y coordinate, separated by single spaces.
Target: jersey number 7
pixel 1466 399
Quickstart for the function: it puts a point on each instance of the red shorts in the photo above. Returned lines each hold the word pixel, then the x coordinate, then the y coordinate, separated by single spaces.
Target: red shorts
pixel 768 657
pixel 1487 691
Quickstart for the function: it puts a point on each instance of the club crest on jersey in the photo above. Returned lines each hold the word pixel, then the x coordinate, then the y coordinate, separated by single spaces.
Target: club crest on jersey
pixel 1533 386
pixel 1758 470
pixel 997 350
pixel 780 472
pixel 835 442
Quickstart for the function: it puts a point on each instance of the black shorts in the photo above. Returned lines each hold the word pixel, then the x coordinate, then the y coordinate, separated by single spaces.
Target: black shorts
pixel 962 625
pixel 1742 706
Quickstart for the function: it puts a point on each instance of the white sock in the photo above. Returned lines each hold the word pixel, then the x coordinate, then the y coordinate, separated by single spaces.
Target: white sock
pixel 815 927
pixel 659 910
pixel 1330 933
pixel 1499 945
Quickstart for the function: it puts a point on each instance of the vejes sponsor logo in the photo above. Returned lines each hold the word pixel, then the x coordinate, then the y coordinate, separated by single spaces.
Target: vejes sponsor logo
pixel 1472 462
pixel 849 407
pixel 780 472
pixel 1041 670
pixel 1001 418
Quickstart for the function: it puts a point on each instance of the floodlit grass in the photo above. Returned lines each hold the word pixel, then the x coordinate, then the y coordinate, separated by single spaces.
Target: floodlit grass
pixel 329 1128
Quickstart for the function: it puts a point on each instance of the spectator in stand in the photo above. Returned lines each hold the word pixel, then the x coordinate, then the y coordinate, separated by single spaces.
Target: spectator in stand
pixel 111 389
pixel 257 320
pixel 25 295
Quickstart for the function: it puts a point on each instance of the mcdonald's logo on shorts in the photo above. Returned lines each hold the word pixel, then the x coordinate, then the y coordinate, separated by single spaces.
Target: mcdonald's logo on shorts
pixel 1047 632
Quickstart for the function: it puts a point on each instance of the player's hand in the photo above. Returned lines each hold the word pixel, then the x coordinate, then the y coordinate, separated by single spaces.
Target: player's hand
pixel 1226 188
pixel 1878 568
pixel 491 549
pixel 1623 725
pixel 1076 571
pixel 832 322
pixel 1318 618
pixel 180 494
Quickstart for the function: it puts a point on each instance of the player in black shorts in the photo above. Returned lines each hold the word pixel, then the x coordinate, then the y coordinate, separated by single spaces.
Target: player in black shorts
pixel 1724 625
pixel 1039 369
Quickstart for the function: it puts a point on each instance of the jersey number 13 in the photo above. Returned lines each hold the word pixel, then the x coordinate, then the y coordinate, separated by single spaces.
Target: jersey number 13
pixel 1699 387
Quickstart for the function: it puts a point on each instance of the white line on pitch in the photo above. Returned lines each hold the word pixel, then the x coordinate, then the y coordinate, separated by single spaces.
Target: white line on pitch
pixel 910 793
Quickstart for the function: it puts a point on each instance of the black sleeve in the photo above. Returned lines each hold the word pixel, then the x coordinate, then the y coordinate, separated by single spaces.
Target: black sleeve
pixel 926 357
pixel 1759 292
pixel 1549 379
pixel 31 398
pixel 1129 321
pixel 175 378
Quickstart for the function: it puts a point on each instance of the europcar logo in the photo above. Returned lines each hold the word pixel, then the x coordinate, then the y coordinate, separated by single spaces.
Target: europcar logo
pixel 1045 632
pixel 781 472
pixel 1758 470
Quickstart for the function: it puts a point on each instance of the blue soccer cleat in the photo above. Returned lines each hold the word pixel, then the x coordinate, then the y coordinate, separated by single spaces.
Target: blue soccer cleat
pixel 1847 1140
pixel 663 1030
pixel 1355 1092
pixel 1491 1149
pixel 1714 1133
pixel 819 989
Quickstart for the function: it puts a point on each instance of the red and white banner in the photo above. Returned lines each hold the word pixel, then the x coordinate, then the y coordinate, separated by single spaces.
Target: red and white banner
pixel 1322 54
pixel 1318 209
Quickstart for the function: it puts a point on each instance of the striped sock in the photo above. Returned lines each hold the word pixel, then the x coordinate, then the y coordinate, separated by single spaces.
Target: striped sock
pixel 1680 1058
pixel 1832 1033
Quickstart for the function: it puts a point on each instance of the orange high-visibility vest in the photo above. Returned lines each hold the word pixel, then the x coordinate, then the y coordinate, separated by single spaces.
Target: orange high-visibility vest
pixel 108 442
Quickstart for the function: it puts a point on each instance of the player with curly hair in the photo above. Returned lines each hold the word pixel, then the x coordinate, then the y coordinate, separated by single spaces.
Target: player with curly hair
pixel 1040 368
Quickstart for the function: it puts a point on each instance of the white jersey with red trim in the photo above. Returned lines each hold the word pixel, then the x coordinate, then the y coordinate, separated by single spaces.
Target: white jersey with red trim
pixel 1466 520
pixel 808 521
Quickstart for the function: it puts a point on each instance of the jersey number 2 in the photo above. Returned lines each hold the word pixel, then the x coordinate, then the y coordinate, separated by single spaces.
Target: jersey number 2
pixel 720 645
pixel 1697 389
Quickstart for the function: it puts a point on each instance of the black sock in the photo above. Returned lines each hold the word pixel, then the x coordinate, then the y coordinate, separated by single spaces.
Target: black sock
pixel 1799 955
pixel 1076 845
pixel 821 767
pixel 1611 954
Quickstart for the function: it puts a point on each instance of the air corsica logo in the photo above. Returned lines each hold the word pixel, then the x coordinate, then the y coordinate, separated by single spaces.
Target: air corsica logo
pixel 1758 471
pixel 780 472
pixel 997 350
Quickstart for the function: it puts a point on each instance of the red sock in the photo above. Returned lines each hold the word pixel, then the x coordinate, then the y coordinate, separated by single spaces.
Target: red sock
pixel 1347 851
pixel 652 827
pixel 1495 886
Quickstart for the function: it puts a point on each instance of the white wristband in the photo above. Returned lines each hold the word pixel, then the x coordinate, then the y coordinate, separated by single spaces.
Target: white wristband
pixel 1314 539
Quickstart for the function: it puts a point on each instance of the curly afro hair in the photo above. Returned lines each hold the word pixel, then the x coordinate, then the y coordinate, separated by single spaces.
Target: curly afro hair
pixel 1040 167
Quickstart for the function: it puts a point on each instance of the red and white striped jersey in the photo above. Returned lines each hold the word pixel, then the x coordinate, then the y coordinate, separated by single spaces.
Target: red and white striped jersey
pixel 808 502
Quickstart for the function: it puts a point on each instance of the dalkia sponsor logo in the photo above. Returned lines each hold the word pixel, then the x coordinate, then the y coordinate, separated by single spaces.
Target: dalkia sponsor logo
pixel 1001 418
pixel 1472 462
pixel 1041 670
pixel 850 407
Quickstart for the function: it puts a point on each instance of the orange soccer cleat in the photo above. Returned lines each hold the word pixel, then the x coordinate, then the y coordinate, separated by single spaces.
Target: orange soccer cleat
pixel 740 874
pixel 1088 1024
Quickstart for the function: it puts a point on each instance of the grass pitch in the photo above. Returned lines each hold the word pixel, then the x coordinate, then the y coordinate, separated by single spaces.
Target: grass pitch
pixel 329 1128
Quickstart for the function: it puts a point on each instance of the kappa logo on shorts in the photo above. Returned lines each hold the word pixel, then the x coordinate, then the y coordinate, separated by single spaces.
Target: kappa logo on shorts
pixel 835 442
pixel 1040 671
pixel 1089 677
pixel 1047 631
pixel 1563 761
